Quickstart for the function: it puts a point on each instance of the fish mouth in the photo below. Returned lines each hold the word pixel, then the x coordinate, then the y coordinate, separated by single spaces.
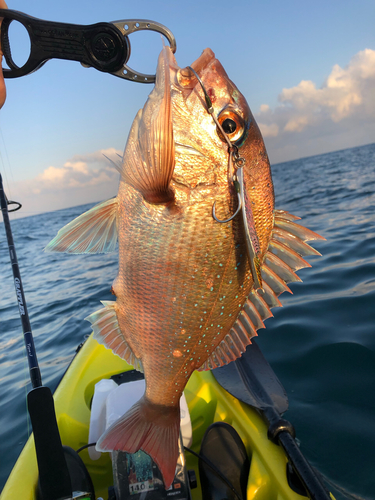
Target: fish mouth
pixel 186 77
pixel 203 61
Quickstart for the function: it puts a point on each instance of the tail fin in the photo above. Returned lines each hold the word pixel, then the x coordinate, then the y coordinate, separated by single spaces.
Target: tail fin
pixel 151 428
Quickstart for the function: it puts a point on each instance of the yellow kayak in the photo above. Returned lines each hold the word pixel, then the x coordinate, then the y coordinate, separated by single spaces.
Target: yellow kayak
pixel 208 402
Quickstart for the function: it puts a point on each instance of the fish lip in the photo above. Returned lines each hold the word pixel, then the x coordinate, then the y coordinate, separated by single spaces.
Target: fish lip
pixel 203 60
pixel 186 78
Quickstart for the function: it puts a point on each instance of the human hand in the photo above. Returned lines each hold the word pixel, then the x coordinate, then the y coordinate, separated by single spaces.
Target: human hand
pixel 3 5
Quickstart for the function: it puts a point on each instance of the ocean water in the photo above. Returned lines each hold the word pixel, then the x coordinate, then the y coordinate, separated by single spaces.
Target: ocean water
pixel 321 343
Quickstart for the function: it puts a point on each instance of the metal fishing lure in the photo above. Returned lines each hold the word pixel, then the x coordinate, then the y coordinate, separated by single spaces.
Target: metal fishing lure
pixel 103 46
pixel 236 175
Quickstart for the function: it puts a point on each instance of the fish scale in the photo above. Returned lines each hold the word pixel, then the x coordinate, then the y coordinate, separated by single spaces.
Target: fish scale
pixel 189 279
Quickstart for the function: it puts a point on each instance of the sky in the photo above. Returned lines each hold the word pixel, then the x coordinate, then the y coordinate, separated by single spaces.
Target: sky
pixel 307 70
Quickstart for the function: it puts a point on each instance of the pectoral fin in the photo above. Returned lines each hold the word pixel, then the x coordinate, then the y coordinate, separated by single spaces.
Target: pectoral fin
pixel 149 157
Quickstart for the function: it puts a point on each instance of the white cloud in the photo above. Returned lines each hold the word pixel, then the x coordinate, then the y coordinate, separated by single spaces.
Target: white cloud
pixel 269 130
pixel 82 179
pixel 297 123
pixel 343 103
pixel 81 171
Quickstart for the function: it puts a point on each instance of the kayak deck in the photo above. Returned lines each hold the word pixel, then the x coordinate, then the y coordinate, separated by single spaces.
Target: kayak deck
pixel 208 402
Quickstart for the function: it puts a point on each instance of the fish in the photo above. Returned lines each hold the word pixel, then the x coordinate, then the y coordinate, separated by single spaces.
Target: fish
pixel 203 253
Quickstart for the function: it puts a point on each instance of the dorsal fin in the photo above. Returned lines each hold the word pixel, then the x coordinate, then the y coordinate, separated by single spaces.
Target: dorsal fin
pixel 269 296
pixel 107 332
pixel 261 305
pixel 95 231
pixel 282 258
pixel 287 255
pixel 273 280
pixel 253 314
pixel 284 215
pixel 301 232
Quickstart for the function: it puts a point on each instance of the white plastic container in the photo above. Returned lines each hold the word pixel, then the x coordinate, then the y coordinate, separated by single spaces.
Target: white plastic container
pixel 98 414
pixel 185 425
pixel 111 401
pixel 122 398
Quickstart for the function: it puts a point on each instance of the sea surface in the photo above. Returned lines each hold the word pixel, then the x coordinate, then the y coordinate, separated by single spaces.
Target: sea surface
pixel 321 343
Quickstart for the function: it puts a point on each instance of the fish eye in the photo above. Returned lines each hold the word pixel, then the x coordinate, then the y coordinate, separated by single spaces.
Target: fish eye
pixel 229 126
pixel 233 125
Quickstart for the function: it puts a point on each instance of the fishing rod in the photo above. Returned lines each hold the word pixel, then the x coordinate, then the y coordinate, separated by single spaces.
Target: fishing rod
pixel 35 377
pixel 54 476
